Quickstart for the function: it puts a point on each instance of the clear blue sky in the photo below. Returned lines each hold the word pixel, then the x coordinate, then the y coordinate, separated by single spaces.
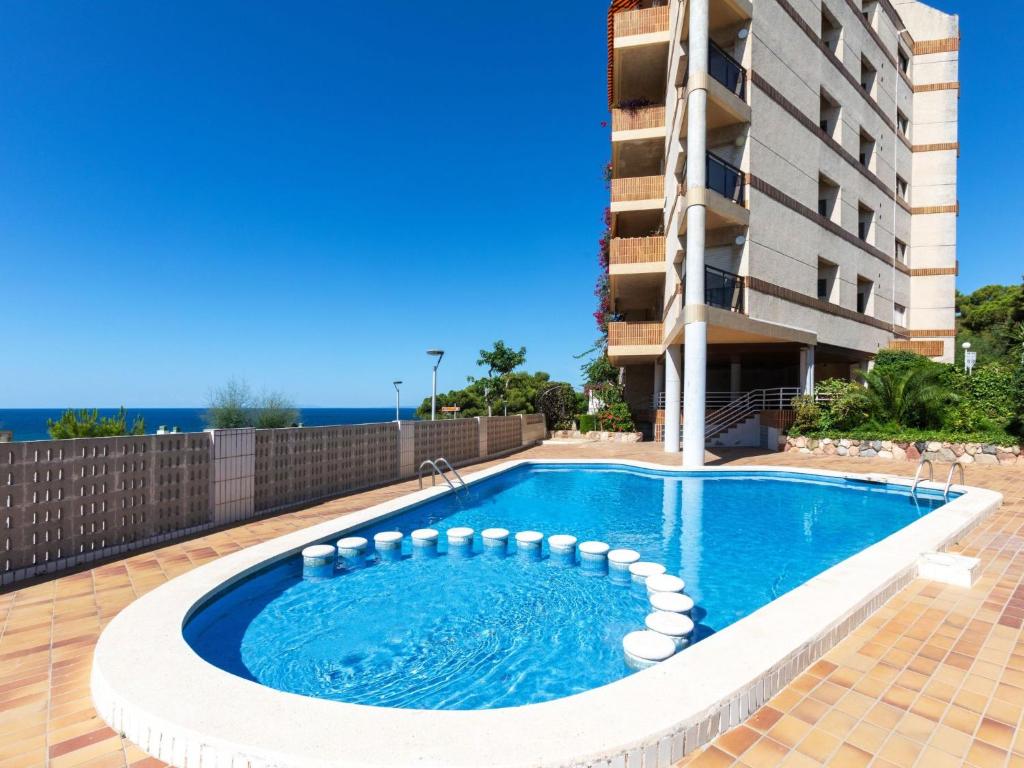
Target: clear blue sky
pixel 309 195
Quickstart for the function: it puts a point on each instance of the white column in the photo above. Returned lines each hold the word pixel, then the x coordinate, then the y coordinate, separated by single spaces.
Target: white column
pixel 807 370
pixel 735 376
pixel 673 372
pixel 696 330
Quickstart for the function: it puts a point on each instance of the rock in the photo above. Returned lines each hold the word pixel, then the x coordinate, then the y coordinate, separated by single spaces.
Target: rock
pixel 913 454
pixel 826 441
pixel 985 458
pixel 801 442
pixel 842 450
pixel 1006 457
pixel 990 449
pixel 829 450
pixel 845 443
pixel 958 449
pixel 945 454
pixel 853 450
pixel 965 458
pixel 876 445
pixel 884 454
pixel 812 443
pixel 887 445
pixel 898 452
pixel 805 450
pixel 868 453
pixel 933 447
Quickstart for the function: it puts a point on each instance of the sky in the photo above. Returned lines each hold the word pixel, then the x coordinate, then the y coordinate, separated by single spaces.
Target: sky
pixel 308 196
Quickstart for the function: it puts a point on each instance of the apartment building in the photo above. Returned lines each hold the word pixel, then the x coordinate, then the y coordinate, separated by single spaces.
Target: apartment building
pixel 783 197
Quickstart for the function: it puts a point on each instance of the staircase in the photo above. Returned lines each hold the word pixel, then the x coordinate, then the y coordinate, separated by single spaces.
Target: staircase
pixel 734 421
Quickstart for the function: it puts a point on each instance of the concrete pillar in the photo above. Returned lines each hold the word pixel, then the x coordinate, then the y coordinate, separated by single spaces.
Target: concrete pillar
pixel 735 376
pixel 696 328
pixel 673 397
pixel 807 370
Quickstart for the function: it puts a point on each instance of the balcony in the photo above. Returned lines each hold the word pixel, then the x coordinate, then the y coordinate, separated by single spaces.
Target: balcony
pixel 724 198
pixel 638 193
pixel 637 250
pixel 633 341
pixel 642 21
pixel 725 179
pixel 638 123
pixel 727 71
pixel 723 290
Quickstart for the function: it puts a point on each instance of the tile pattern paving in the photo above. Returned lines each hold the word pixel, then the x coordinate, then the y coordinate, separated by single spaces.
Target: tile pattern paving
pixel 934 678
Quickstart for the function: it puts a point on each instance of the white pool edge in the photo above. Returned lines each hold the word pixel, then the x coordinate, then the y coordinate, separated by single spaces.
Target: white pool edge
pixel 149 685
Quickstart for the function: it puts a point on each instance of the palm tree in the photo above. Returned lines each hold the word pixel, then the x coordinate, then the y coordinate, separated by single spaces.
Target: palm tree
pixel 914 397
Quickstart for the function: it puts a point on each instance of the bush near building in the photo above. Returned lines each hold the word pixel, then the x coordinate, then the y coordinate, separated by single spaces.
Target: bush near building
pixel 909 397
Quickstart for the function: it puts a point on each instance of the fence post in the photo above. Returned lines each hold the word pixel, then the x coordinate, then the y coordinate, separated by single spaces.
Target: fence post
pixel 482 430
pixel 406 448
pixel 233 454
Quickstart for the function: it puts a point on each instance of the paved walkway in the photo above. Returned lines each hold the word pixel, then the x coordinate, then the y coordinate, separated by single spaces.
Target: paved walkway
pixel 935 678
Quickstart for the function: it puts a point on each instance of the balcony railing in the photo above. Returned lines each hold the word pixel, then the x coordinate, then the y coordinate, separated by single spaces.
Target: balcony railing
pixel 725 179
pixel 643 333
pixel 721 289
pixel 641 21
pixel 637 250
pixel 638 188
pixel 726 70
pixel 636 119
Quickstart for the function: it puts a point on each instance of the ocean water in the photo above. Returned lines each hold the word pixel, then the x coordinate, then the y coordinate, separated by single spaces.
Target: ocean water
pixel 477 633
pixel 30 423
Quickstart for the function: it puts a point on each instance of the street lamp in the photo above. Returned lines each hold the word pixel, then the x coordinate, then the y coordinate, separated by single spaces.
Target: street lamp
pixel 438 353
pixel 969 358
pixel 398 400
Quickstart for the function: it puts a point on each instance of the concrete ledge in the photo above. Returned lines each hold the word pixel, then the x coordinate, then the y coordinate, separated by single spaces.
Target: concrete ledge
pixel 148 684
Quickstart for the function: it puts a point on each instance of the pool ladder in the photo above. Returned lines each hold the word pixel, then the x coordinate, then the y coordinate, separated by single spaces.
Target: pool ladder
pixel 931 476
pixel 436 470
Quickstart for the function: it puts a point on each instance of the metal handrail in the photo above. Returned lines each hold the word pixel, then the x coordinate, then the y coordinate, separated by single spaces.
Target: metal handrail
pixel 917 475
pixel 454 471
pixel 746 406
pixel 433 475
pixel 949 478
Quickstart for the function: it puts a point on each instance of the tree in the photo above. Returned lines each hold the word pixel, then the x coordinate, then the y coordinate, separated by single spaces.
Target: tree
pixel 500 362
pixel 233 405
pixel 599 370
pixel 86 423
pixel 521 394
pixel 557 402
pixel 987 318
pixel 230 406
pixel 907 397
pixel 274 410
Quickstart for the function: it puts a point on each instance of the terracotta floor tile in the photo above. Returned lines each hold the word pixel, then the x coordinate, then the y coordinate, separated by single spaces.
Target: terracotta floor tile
pixel 764 753
pixel 985 755
pixel 789 730
pixel 819 745
pixel 900 750
pixel 737 740
pixel 995 733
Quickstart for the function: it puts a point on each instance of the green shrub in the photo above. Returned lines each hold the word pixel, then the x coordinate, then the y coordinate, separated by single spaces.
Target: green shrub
pixel 806 415
pixel 86 423
pixel 908 395
pixel 615 417
pixel 587 423
pixel 844 404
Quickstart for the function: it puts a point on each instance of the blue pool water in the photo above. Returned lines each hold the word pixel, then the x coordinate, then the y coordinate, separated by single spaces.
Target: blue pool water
pixel 450 633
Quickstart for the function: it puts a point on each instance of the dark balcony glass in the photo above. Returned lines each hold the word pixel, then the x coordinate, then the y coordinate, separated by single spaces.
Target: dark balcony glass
pixel 725 179
pixel 726 70
pixel 723 289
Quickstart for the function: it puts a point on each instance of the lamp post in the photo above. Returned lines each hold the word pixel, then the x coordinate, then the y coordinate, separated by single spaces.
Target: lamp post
pixel 398 401
pixel 438 353
pixel 969 358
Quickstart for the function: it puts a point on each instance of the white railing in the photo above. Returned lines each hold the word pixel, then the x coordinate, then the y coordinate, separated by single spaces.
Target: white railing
pixel 747 405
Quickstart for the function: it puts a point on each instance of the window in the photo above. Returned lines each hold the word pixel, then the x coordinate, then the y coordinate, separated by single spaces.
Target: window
pixel 900 315
pixel 904 61
pixel 828 115
pixel 828 198
pixel 901 251
pixel 831 31
pixel 901 187
pixel 902 123
pixel 867 150
pixel 868 75
pixel 828 274
pixel 864 291
pixel 868 10
pixel 865 220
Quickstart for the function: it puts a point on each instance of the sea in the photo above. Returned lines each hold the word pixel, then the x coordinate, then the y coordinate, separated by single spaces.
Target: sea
pixel 30 423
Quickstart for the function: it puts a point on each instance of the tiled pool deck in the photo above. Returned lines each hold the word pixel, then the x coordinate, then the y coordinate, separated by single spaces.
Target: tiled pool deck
pixel 934 678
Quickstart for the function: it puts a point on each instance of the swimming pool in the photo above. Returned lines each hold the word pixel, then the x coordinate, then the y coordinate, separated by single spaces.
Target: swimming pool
pixel 451 633
pixel 149 683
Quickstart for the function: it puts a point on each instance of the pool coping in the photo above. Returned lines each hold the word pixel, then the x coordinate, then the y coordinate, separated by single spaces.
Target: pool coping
pixel 149 685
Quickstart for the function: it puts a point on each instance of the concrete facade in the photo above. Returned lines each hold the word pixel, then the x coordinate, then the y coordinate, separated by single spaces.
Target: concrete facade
pixel 829 192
